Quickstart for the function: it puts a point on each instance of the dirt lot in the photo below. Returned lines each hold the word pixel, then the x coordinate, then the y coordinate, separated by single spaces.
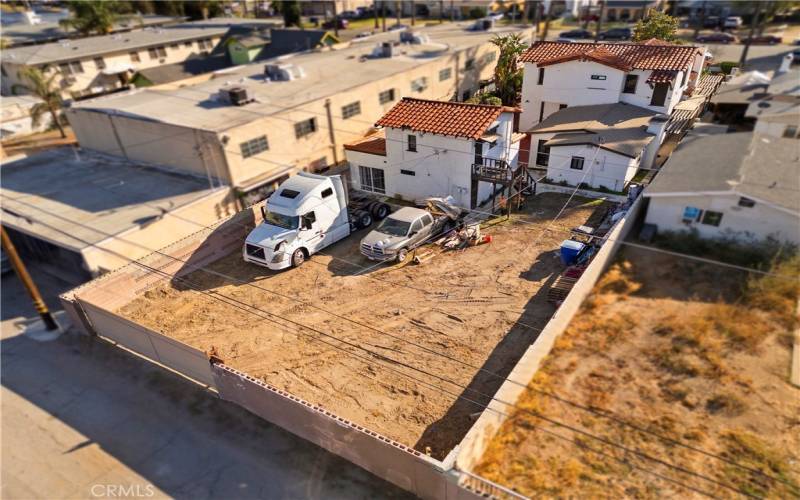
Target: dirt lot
pixel 482 306
pixel 691 354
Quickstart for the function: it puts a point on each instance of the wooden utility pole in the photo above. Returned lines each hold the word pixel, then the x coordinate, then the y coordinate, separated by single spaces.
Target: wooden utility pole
pixel 452 11
pixel 525 12
pixel 375 13
pixel 699 24
pixel 600 21
pixel 537 17
pixel 441 11
pixel 413 14
pixel 33 290
pixel 335 20
pixel 397 8
pixel 547 19
pixel 383 14
pixel 753 26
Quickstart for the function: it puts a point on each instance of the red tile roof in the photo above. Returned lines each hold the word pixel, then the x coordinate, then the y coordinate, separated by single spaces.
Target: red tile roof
pixel 598 54
pixel 652 56
pixel 661 76
pixel 441 117
pixel 374 144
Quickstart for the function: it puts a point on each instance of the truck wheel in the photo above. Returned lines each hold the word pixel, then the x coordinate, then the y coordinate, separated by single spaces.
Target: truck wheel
pixel 380 211
pixel 298 257
pixel 364 219
pixel 402 254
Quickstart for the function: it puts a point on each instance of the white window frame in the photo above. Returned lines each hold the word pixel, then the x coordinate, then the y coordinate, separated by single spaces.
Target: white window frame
pixel 366 177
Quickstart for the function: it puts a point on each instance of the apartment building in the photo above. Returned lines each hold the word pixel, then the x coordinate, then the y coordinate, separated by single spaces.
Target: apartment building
pixel 653 75
pixel 296 115
pixel 101 64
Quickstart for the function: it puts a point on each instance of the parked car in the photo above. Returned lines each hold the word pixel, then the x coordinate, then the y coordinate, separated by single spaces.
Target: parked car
pixel 711 22
pixel 724 38
pixel 732 22
pixel 765 40
pixel 401 232
pixel 342 24
pixel 349 14
pixel 364 34
pixel 796 56
pixel 616 34
pixel 397 27
pixel 576 34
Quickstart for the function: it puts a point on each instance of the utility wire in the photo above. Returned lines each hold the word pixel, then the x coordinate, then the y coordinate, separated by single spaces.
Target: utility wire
pixel 385 359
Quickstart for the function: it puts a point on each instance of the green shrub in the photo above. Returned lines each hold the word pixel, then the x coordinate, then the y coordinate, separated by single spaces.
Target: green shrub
pixel 727 66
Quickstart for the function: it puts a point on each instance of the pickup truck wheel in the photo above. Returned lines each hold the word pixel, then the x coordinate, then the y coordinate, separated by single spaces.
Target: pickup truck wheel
pixel 402 254
pixel 298 257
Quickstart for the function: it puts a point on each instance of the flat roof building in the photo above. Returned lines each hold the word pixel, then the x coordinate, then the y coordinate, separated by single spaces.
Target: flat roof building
pixel 297 117
pixel 99 64
pixel 81 207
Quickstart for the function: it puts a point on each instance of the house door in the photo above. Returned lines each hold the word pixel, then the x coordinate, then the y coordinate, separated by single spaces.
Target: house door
pixel 659 94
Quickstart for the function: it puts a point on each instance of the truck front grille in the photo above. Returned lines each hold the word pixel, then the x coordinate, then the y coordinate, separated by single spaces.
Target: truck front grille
pixel 371 250
pixel 255 251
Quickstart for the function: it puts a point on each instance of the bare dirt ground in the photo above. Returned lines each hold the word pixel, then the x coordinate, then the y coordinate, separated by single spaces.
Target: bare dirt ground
pixel 691 354
pixel 482 306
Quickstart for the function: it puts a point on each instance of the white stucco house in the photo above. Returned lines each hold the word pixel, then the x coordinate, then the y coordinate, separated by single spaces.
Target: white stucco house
pixel 437 148
pixel 742 185
pixel 653 75
pixel 599 146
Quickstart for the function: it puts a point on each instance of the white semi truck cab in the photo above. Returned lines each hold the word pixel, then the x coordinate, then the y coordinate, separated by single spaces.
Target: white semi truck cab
pixel 305 214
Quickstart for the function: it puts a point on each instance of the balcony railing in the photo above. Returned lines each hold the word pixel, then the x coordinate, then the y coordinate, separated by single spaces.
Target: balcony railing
pixel 492 170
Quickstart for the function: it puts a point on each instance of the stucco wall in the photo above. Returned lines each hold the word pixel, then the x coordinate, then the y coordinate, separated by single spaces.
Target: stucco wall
pixel 180 148
pixel 571 83
pixel 601 167
pixel 760 221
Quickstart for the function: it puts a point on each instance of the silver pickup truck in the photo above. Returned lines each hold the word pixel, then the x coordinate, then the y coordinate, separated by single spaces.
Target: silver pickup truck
pixel 400 233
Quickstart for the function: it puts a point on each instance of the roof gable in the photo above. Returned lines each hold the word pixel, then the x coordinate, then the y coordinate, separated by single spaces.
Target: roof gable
pixel 442 117
pixel 644 56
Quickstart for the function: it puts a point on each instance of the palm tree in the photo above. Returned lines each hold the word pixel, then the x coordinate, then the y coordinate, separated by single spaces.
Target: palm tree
pixel 43 87
pixel 95 16
pixel 507 74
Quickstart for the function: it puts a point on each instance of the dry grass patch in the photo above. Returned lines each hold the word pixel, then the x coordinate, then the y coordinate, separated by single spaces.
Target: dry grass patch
pixel 685 364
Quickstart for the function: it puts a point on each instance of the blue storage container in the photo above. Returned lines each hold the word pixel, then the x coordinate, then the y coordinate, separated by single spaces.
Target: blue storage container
pixel 570 249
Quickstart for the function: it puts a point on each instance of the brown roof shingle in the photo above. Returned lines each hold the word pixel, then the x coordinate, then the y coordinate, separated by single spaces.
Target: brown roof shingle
pixel 636 55
pixel 441 117
pixel 374 144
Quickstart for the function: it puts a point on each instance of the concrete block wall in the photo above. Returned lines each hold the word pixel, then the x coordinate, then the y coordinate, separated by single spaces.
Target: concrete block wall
pixel 480 435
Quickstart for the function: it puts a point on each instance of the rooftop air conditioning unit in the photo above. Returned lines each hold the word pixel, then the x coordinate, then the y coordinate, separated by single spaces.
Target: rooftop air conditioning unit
pixel 238 96
pixel 283 72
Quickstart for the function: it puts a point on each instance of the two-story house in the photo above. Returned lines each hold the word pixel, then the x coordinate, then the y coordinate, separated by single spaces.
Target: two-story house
pixel 600 146
pixel 653 75
pixel 437 148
